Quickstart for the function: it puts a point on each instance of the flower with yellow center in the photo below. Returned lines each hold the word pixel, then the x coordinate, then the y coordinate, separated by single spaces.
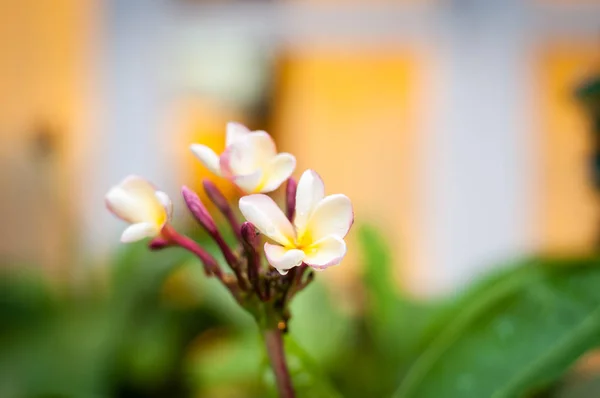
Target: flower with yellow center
pixel 250 160
pixel 137 202
pixel 316 236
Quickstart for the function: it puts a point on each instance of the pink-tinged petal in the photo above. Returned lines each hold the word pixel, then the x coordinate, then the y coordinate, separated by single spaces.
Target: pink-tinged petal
pixel 207 156
pixel 279 169
pixel 235 131
pixel 139 231
pixel 332 216
pixel 283 259
pixel 246 155
pixel 310 191
pixel 239 158
pixel 267 217
pixel 166 202
pixel 263 145
pixel 138 186
pixel 250 182
pixel 325 253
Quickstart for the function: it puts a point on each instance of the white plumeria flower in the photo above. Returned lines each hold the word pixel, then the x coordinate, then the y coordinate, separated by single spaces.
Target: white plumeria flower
pixel 316 236
pixel 136 201
pixel 250 160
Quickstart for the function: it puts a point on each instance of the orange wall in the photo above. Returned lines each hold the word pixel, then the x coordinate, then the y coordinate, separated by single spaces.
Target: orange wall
pixel 568 219
pixel 43 44
pixel 353 117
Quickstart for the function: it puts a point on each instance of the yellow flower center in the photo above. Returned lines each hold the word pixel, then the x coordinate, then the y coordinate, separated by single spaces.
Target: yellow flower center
pixel 304 242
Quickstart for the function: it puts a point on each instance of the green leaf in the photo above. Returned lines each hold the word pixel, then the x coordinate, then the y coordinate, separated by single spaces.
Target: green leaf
pixel 513 334
pixel 308 378
pixel 389 312
pixel 318 326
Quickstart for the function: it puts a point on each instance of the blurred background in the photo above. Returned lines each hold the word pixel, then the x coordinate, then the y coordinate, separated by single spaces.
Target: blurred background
pixel 451 124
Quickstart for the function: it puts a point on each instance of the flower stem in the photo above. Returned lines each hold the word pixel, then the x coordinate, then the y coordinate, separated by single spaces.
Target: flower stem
pixel 274 343
pixel 210 264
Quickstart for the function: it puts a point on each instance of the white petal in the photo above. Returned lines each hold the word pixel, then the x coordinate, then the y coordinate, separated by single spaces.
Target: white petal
pixel 235 131
pixel 267 217
pixel 309 193
pixel 133 200
pixel 166 202
pixel 123 205
pixel 332 216
pixel 283 259
pixel 246 155
pixel 139 231
pixel 250 182
pixel 207 156
pixel 326 252
pixel 137 186
pixel 239 159
pixel 280 169
pixel 264 146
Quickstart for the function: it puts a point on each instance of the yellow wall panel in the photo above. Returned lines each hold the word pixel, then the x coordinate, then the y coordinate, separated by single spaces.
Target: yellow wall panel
pixel 352 116
pixel 43 45
pixel 569 217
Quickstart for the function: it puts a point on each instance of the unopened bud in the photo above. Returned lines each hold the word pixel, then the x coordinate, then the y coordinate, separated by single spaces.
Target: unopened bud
pixel 251 240
pixel 198 209
pixel 158 243
pixel 217 197
pixel 250 234
pixel 290 198
pixel 201 214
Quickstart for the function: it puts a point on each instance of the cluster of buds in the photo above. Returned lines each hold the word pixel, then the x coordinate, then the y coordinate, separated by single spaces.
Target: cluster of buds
pixel 307 235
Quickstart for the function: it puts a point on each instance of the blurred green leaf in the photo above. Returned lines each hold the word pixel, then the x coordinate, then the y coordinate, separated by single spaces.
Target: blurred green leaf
pixel 389 312
pixel 391 328
pixel 318 327
pixel 308 377
pixel 228 359
pixel 512 334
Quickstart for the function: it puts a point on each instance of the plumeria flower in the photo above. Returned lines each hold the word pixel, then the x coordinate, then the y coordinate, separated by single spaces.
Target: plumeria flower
pixel 136 201
pixel 250 160
pixel 316 236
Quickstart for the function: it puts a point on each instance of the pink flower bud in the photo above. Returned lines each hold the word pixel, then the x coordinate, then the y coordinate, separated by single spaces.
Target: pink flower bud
pixel 158 243
pixel 199 211
pixel 201 214
pixel 290 198
pixel 250 234
pixel 217 197
pixel 251 240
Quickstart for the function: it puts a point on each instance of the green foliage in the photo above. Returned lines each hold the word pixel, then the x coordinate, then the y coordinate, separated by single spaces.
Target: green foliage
pixel 117 341
pixel 157 327
pixel 513 334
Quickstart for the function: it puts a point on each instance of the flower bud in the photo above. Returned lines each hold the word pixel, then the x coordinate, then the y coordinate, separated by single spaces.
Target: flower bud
pixel 217 197
pixel 290 198
pixel 250 234
pixel 251 240
pixel 201 214
pixel 158 243
pixel 199 211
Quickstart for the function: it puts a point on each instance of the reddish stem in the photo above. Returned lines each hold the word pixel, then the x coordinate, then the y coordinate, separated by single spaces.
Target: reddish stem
pixel 210 264
pixel 274 344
